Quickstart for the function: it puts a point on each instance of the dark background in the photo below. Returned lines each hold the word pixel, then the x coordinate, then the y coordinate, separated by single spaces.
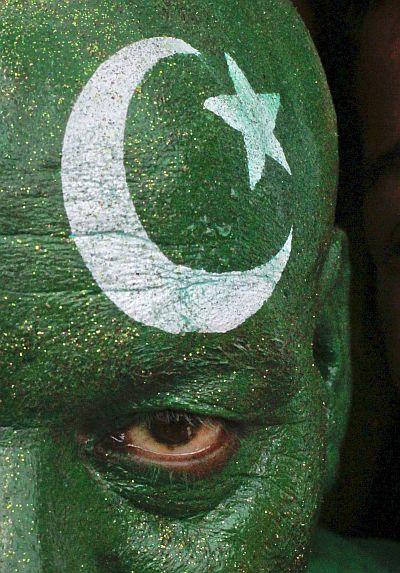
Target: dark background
pixel 366 498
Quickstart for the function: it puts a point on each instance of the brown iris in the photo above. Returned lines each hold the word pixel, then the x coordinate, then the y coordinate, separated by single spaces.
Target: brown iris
pixel 177 442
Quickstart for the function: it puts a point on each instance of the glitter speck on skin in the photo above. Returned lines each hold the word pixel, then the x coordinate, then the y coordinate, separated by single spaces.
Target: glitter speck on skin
pixel 72 364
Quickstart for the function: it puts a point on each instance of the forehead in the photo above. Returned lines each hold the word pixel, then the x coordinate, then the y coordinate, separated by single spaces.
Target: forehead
pixel 187 169
pixel 188 173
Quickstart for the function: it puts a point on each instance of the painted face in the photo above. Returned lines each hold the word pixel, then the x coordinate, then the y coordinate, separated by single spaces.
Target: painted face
pixel 378 73
pixel 168 175
pixel 310 16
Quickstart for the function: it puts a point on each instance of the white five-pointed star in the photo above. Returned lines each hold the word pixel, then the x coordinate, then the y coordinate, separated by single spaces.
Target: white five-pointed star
pixel 254 115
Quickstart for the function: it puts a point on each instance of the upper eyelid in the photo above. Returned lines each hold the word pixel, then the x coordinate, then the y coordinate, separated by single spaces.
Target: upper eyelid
pixel 256 416
pixel 173 415
pixel 261 400
pixel 215 402
pixel 119 419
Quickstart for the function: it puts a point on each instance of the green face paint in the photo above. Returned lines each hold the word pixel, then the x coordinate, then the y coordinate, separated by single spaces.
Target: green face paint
pixel 175 421
pixel 127 265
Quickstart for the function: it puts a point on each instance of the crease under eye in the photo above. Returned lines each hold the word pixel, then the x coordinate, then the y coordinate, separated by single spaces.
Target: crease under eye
pixel 180 443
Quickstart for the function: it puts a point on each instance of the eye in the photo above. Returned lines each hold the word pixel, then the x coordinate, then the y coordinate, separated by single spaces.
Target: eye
pixel 177 442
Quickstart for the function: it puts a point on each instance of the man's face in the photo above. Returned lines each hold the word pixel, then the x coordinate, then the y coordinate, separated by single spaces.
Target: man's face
pixel 379 100
pixel 158 412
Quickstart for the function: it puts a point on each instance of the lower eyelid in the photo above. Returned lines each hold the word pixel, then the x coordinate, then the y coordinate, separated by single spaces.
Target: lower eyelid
pixel 182 488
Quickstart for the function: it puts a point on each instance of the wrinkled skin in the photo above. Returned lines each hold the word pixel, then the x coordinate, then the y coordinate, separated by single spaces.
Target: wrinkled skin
pixel 74 368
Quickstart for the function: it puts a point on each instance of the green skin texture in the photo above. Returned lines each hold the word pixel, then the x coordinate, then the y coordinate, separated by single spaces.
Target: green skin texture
pixel 72 362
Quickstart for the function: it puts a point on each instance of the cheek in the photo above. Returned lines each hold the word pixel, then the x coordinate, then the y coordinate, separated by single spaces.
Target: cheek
pixel 264 526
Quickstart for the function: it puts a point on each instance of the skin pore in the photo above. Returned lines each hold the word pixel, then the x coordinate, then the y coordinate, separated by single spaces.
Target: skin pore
pixel 125 448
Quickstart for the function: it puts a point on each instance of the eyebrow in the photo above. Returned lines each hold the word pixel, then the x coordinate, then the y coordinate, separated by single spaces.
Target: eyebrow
pixel 377 168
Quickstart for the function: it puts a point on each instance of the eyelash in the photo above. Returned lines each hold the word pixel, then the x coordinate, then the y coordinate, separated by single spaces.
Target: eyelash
pixel 138 442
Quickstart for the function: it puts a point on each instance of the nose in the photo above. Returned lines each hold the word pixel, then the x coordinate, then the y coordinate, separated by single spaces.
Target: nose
pixel 51 515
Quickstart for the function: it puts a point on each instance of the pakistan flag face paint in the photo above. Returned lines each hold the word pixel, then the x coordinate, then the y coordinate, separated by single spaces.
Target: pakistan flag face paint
pixel 167 184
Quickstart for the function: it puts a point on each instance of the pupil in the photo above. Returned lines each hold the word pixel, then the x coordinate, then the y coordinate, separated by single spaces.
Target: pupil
pixel 173 430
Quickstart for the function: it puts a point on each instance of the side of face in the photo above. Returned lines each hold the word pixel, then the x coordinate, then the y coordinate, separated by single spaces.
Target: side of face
pixel 379 104
pixel 148 444
pixel 309 15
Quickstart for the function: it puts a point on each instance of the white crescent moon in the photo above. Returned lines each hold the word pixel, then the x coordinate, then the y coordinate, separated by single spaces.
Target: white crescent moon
pixel 129 268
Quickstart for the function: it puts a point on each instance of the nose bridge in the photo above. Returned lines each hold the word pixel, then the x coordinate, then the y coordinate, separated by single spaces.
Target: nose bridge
pixel 53 516
pixel 19 534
